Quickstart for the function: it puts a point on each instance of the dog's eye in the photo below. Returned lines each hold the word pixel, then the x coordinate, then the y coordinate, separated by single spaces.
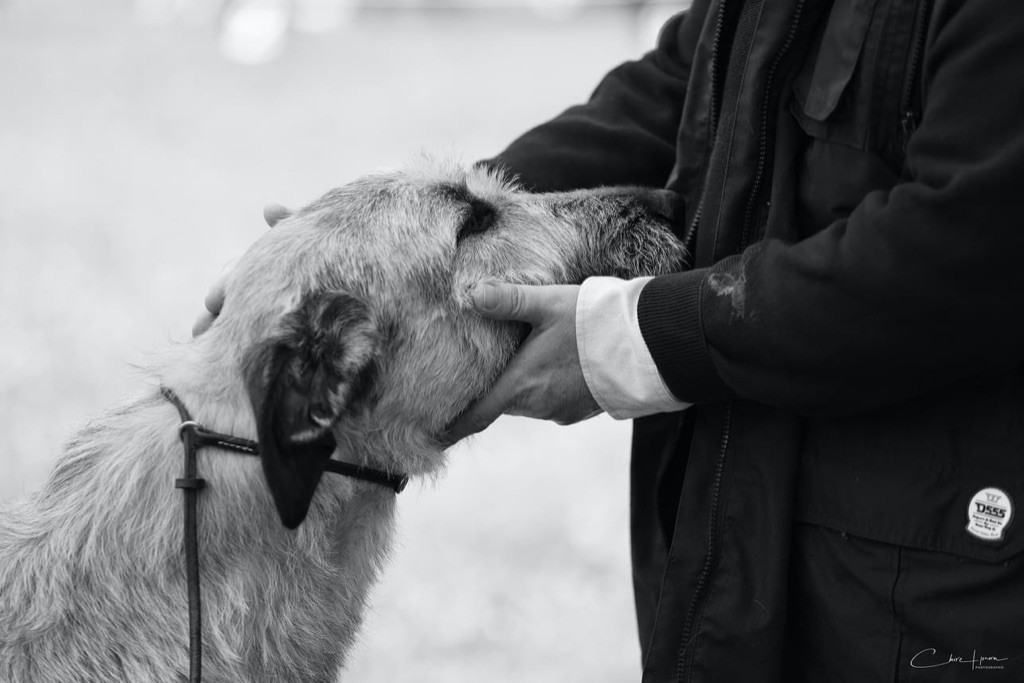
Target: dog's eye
pixel 478 219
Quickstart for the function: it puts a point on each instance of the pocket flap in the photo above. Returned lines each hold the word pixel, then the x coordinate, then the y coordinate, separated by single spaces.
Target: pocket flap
pixel 943 473
pixel 832 60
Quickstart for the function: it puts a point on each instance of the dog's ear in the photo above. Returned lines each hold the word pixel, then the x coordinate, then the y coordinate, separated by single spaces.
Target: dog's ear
pixel 320 368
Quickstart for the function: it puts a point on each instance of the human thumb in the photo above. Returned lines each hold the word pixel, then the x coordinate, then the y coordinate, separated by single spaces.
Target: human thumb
pixel 500 301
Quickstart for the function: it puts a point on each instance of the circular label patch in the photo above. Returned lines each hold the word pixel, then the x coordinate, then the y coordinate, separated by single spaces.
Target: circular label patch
pixel 989 514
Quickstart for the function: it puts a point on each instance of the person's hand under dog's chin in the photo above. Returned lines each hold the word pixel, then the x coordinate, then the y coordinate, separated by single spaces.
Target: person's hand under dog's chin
pixel 544 379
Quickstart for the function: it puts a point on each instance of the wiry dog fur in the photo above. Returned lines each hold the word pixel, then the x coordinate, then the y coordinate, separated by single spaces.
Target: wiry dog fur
pixel 344 328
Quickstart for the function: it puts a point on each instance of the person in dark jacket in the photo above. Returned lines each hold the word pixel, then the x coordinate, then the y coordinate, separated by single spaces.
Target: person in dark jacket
pixel 829 448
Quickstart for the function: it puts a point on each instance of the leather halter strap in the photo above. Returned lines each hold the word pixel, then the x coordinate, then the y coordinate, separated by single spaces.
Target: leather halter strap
pixel 194 436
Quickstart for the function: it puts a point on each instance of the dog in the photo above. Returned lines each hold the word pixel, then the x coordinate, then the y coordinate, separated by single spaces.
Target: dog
pixel 348 322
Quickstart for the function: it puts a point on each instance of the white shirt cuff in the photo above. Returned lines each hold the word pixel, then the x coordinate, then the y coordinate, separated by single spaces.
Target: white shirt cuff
pixel 617 365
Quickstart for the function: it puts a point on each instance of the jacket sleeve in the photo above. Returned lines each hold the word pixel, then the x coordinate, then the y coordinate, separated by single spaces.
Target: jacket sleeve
pixel 920 286
pixel 625 133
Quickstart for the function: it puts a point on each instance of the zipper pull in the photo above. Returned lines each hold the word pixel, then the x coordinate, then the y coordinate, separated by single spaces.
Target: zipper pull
pixel 908 124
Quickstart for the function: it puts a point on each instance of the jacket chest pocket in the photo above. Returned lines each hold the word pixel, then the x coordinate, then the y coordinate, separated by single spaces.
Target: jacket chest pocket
pixel 860 74
pixel 848 97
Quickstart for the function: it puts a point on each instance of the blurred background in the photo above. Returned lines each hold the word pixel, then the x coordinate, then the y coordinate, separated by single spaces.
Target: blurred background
pixel 139 141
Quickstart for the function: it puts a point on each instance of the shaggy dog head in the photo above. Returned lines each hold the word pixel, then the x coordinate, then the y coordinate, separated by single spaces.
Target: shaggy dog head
pixel 352 315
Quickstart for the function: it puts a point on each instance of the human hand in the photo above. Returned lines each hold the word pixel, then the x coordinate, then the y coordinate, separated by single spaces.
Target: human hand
pixel 272 214
pixel 544 379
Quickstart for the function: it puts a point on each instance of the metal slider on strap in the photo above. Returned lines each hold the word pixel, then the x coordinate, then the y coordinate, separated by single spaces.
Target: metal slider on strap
pixel 187 425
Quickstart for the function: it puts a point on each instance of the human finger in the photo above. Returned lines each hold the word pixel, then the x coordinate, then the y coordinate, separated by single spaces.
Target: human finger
pixel 477 417
pixel 485 410
pixel 214 300
pixel 501 301
pixel 202 323
pixel 274 213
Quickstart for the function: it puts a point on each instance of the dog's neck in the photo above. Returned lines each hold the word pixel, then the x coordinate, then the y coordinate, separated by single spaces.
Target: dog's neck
pixel 209 383
pixel 103 536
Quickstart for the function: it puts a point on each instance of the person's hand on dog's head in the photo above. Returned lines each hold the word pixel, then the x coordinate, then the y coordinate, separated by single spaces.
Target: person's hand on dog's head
pixel 544 379
pixel 272 214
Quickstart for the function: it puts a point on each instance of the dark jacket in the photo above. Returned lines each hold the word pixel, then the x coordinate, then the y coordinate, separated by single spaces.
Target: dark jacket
pixel 850 330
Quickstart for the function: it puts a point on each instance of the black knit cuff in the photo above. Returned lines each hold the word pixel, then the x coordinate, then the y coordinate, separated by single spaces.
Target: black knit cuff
pixel 670 322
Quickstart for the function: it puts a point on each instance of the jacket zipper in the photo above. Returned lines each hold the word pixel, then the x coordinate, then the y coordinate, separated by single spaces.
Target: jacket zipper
pixel 712 548
pixel 689 630
pixel 766 117
pixel 908 112
pixel 690 238
pixel 689 242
